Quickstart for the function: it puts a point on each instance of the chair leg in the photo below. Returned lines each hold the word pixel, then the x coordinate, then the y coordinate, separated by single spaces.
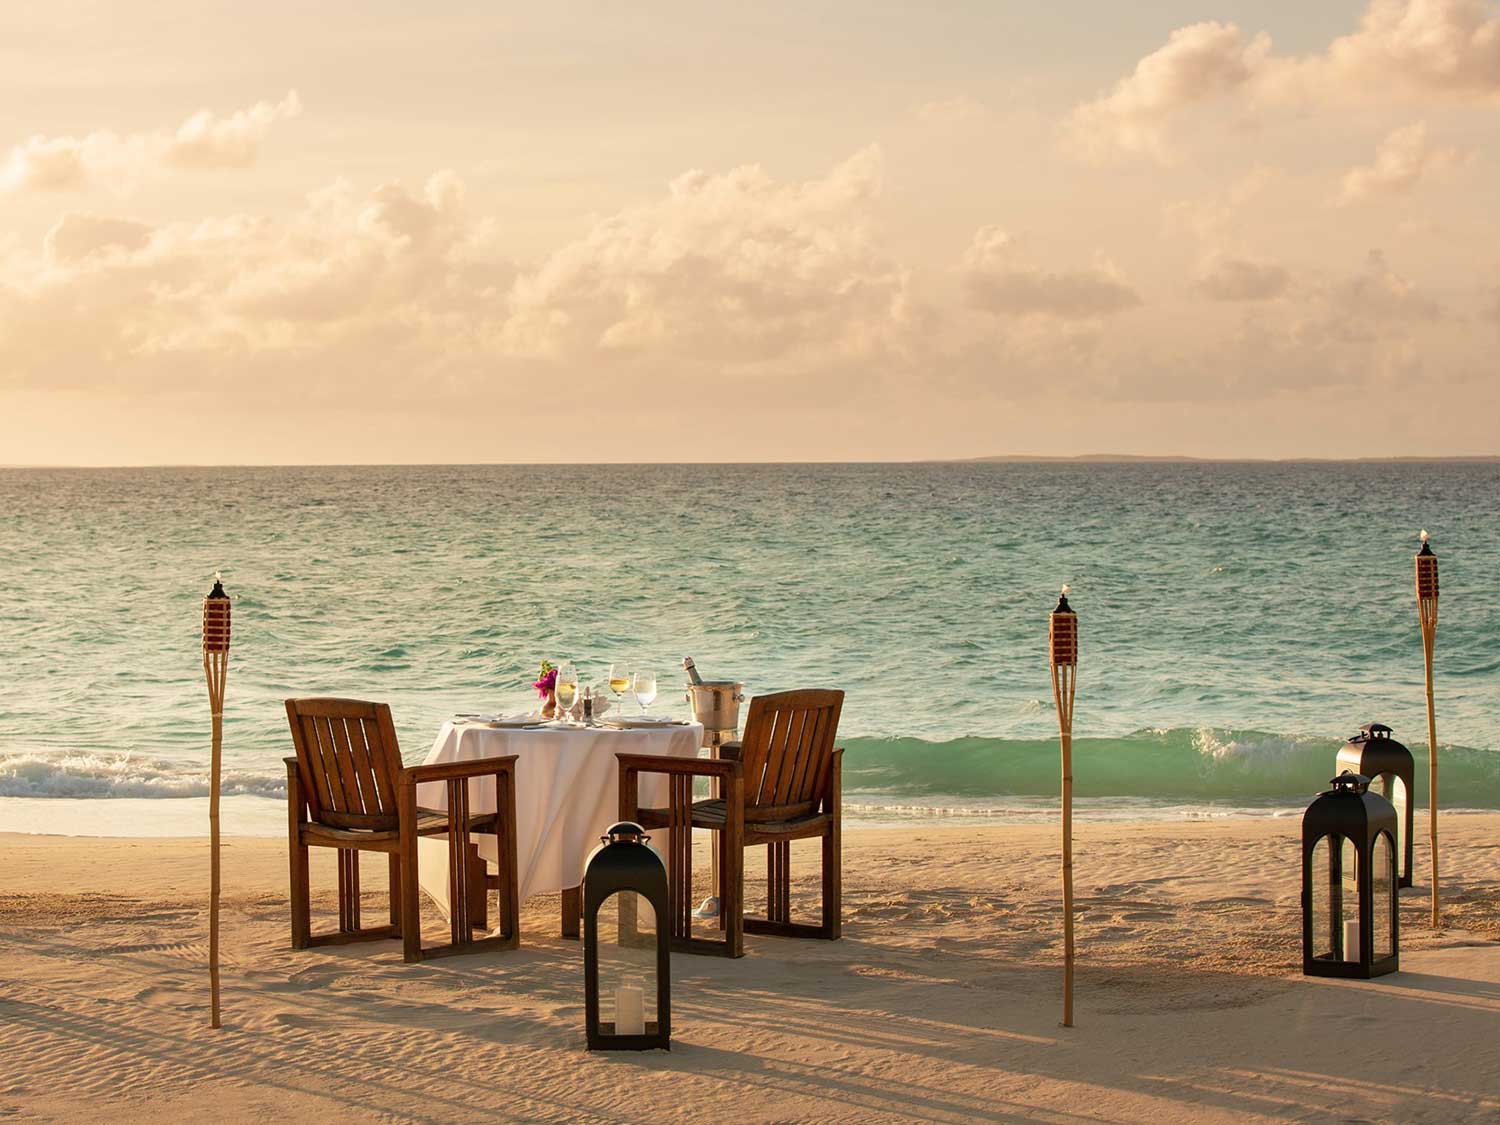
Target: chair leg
pixel 733 903
pixel 722 848
pixel 508 897
pixel 779 881
pixel 301 896
pixel 572 911
pixel 411 905
pixel 732 896
pixel 478 891
pixel 348 890
pixel 833 884
pixel 395 886
pixel 680 856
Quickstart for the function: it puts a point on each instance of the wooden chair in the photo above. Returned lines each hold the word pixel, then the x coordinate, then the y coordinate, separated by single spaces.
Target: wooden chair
pixel 347 789
pixel 779 783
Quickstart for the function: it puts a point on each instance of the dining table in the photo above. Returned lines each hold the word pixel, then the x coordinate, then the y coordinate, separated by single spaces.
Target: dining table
pixel 567 795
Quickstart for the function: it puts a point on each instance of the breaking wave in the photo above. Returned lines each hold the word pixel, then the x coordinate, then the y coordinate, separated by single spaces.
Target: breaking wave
pixel 121 775
pixel 1198 766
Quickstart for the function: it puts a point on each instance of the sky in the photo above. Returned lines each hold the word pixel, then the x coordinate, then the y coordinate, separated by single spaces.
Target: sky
pixel 380 232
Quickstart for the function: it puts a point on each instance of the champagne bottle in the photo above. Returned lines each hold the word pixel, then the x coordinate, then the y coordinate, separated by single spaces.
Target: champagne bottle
pixel 692 670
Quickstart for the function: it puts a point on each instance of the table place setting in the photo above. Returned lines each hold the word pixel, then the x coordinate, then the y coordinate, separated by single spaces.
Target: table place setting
pixel 566 772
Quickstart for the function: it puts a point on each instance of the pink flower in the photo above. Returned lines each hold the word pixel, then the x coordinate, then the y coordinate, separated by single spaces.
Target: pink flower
pixel 547 681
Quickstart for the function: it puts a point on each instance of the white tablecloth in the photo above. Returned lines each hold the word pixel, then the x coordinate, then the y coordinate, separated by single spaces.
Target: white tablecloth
pixel 567 794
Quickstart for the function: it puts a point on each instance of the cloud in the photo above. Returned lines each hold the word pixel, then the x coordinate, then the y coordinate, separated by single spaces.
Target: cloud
pixel 76 237
pixel 1379 295
pixel 1238 279
pixel 1403 158
pixel 723 289
pixel 1198 63
pixel 207 141
pixel 204 141
pixel 995 282
pixel 403 288
pixel 1404 51
pixel 735 268
pixel 385 286
pixel 1429 48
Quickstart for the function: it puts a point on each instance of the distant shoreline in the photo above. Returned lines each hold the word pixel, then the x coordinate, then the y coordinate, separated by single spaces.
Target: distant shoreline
pixel 1147 458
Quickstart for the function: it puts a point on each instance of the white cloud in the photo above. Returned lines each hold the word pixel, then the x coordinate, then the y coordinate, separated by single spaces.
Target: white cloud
pixel 1404 51
pixel 997 282
pixel 404 288
pixel 725 284
pixel 387 286
pixel 1224 278
pixel 75 237
pixel 1444 48
pixel 1378 295
pixel 734 268
pixel 204 140
pixel 207 141
pixel 1403 158
pixel 1198 63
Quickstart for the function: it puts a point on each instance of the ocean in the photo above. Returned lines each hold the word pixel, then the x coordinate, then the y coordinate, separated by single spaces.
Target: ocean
pixel 1237 621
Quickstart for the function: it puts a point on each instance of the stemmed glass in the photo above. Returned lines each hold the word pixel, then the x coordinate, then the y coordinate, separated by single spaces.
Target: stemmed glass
pixel 619 682
pixel 645 690
pixel 567 691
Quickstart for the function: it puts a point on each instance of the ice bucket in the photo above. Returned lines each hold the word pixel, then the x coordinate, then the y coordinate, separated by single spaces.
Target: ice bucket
pixel 716 703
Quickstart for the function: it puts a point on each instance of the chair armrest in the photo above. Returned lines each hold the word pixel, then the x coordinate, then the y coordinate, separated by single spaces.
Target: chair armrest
pixel 696 767
pixel 442 771
pixel 296 802
pixel 732 751
pixel 730 774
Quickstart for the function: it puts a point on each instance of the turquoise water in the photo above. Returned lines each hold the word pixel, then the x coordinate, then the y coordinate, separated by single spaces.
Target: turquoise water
pixel 1237 620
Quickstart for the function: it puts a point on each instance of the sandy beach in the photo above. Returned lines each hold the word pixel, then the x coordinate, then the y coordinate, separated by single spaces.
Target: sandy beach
pixel 941 1002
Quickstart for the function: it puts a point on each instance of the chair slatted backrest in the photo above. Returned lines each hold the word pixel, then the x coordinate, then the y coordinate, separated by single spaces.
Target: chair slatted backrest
pixel 348 761
pixel 788 752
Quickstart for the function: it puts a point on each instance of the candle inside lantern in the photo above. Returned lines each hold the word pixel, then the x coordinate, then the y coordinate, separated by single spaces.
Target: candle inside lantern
pixel 630 1008
pixel 1351 939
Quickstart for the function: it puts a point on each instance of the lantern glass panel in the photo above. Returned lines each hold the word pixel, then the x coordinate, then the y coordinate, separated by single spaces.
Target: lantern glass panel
pixel 1382 896
pixel 1393 789
pixel 1325 903
pixel 1349 897
pixel 627 965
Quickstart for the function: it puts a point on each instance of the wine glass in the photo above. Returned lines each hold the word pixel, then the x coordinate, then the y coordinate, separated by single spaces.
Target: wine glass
pixel 619 682
pixel 567 690
pixel 645 690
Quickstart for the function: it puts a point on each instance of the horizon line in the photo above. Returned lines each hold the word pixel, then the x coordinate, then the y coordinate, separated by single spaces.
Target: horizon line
pixel 1004 458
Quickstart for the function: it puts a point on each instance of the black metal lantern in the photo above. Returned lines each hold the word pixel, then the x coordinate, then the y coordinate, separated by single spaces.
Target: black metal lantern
pixel 633 1012
pixel 1349 909
pixel 1373 753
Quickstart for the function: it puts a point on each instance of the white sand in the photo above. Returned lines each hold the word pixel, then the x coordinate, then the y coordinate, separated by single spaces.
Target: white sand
pixel 941 1003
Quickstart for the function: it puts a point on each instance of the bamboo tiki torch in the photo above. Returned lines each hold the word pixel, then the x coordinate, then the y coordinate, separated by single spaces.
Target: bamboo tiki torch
pixel 1062 636
pixel 1427 612
pixel 215 671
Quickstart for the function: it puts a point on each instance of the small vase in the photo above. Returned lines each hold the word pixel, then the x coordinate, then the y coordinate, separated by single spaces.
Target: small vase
pixel 549 709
